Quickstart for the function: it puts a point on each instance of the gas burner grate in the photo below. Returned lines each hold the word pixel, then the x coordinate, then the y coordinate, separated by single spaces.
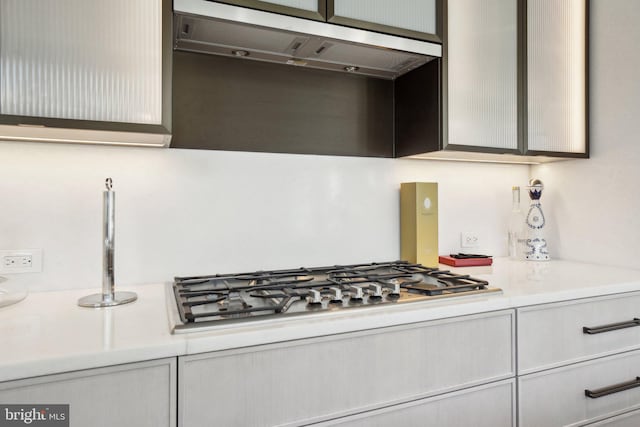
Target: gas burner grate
pixel 223 298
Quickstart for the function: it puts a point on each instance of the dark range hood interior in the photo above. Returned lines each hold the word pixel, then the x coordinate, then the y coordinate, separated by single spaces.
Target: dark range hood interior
pixel 241 87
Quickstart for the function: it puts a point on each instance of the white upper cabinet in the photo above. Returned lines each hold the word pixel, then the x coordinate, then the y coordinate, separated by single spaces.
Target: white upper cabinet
pixel 482 81
pixel 556 76
pixel 514 81
pixel 105 64
pixel 418 19
pixel 88 64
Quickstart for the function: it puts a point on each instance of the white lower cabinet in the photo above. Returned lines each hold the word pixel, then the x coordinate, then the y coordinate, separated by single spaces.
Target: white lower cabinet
pixel 321 379
pixel 568 348
pixel 551 335
pixel 132 395
pixel 489 405
pixel 557 397
pixel 629 419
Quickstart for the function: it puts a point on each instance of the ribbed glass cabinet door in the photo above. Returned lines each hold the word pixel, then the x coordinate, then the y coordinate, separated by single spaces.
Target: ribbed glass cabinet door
pixel 311 9
pixel 483 74
pixel 556 75
pixel 82 60
pixel 411 18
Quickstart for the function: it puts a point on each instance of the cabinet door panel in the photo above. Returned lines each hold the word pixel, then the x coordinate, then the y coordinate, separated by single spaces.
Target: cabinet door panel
pixel 556 76
pixel 139 394
pixel 318 379
pixel 410 18
pixel 484 406
pixel 482 73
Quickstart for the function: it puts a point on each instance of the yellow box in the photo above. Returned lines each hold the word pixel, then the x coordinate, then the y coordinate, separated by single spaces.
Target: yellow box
pixel 419 223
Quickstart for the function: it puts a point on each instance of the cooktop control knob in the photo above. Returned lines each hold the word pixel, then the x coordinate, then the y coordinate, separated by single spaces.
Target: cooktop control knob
pixel 395 287
pixel 314 297
pixel 375 290
pixel 356 292
pixel 336 295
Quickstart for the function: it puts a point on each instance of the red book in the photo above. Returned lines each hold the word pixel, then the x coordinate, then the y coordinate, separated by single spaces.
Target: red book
pixel 464 262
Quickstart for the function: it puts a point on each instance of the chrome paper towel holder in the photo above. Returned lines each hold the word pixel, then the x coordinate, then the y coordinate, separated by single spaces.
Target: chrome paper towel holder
pixel 108 297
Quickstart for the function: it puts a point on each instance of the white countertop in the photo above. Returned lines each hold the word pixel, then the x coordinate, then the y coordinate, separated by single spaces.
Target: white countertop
pixel 48 333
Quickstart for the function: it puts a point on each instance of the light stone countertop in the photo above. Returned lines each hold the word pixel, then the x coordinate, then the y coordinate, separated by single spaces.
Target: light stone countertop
pixel 48 333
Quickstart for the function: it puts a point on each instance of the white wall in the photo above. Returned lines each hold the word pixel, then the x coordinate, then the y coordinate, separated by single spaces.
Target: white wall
pixel 183 212
pixel 593 205
pixel 186 212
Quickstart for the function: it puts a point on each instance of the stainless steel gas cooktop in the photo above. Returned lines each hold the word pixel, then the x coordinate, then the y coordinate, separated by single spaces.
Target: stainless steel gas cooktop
pixel 231 298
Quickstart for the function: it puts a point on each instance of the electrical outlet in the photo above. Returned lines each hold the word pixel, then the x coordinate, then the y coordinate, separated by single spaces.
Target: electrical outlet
pixel 469 239
pixel 17 261
pixel 21 261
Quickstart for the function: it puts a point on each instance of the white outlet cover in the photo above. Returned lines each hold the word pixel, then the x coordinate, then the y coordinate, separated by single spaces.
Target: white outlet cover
pixel 36 261
pixel 469 239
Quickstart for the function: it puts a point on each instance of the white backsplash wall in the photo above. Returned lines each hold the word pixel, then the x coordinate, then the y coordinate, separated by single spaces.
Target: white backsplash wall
pixel 186 212
pixel 593 205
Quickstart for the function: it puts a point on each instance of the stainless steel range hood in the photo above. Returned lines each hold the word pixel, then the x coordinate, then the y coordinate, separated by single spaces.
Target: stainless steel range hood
pixel 220 29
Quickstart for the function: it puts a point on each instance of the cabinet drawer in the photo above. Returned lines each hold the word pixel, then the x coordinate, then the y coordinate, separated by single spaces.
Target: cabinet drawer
pixel 484 406
pixel 324 378
pixel 629 419
pixel 552 335
pixel 558 397
pixel 137 394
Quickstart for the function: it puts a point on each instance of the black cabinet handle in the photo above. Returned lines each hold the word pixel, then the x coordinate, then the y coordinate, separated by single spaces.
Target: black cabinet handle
pixel 611 327
pixel 594 394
